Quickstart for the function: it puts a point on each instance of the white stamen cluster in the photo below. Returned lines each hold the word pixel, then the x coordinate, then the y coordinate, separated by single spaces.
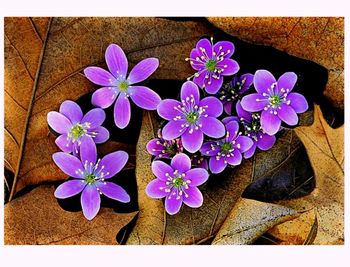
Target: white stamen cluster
pixel 206 58
pixel 274 99
pixel 190 112
pixel 92 170
pixel 176 185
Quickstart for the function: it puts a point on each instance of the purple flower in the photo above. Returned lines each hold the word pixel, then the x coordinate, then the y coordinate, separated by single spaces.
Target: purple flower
pixel 234 90
pixel 76 128
pixel 252 129
pixel 177 182
pixel 275 100
pixel 91 175
pixel 191 117
pixel 164 148
pixel 116 85
pixel 212 62
pixel 227 150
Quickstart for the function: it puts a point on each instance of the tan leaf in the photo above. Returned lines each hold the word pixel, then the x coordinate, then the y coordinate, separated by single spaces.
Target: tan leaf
pixel 325 148
pixel 44 60
pixel 37 219
pixel 320 39
pixel 299 231
pixel 249 219
pixel 149 228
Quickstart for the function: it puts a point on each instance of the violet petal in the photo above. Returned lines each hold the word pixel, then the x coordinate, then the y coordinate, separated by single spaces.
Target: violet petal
pixel 94 117
pixel 116 61
pixel 270 123
pixel 68 164
pixel 212 127
pixel 58 122
pixel 288 115
pixel 194 199
pixel 88 151
pixel 166 109
pixel 298 102
pixel 160 169
pixel 69 188
pixel 143 70
pixel 104 97
pixel 122 111
pixel 173 205
pixel 190 90
pixel 181 162
pixel 197 176
pixel 144 97
pixel 263 80
pixel 213 106
pixel 156 189
pixel 64 143
pixel 100 76
pixel 254 102
pixel 90 201
pixel 217 166
pixel 72 111
pixel 192 142
pixel 113 191
pixel 113 163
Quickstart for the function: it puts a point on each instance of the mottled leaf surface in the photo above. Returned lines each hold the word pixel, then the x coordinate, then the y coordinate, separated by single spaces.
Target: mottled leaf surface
pixel 37 219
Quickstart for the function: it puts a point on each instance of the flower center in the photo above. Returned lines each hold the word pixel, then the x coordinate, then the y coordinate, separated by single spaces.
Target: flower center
pixel 171 149
pixel 211 65
pixel 178 182
pixel 275 100
pixel 192 117
pixel 123 86
pixel 90 178
pixel 77 131
pixel 226 147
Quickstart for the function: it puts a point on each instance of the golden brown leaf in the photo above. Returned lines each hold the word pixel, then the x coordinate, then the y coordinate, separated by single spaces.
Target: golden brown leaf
pixel 325 148
pixel 43 67
pixel 37 219
pixel 320 39
pixel 149 228
pixel 299 231
pixel 249 219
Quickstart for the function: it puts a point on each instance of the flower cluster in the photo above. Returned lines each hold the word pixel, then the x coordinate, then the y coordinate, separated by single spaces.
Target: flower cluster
pixel 199 137
pixel 79 133
pixel 218 121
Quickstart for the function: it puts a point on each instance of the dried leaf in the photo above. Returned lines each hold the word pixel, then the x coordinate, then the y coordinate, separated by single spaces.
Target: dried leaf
pixel 37 219
pixel 320 39
pixel 302 230
pixel 325 147
pixel 149 228
pixel 249 219
pixel 43 67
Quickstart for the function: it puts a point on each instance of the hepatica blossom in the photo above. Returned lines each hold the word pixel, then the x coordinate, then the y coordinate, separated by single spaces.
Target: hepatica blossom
pixel 227 150
pixel 118 86
pixel 76 128
pixel 164 148
pixel 212 62
pixel 234 90
pixel 191 118
pixel 91 177
pixel 177 183
pixel 252 128
pixel 275 100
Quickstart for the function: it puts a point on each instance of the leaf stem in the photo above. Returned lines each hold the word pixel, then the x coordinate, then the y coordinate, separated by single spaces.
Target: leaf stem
pixel 29 112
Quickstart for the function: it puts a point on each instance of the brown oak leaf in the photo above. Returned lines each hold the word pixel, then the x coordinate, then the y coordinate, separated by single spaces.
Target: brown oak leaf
pixel 37 219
